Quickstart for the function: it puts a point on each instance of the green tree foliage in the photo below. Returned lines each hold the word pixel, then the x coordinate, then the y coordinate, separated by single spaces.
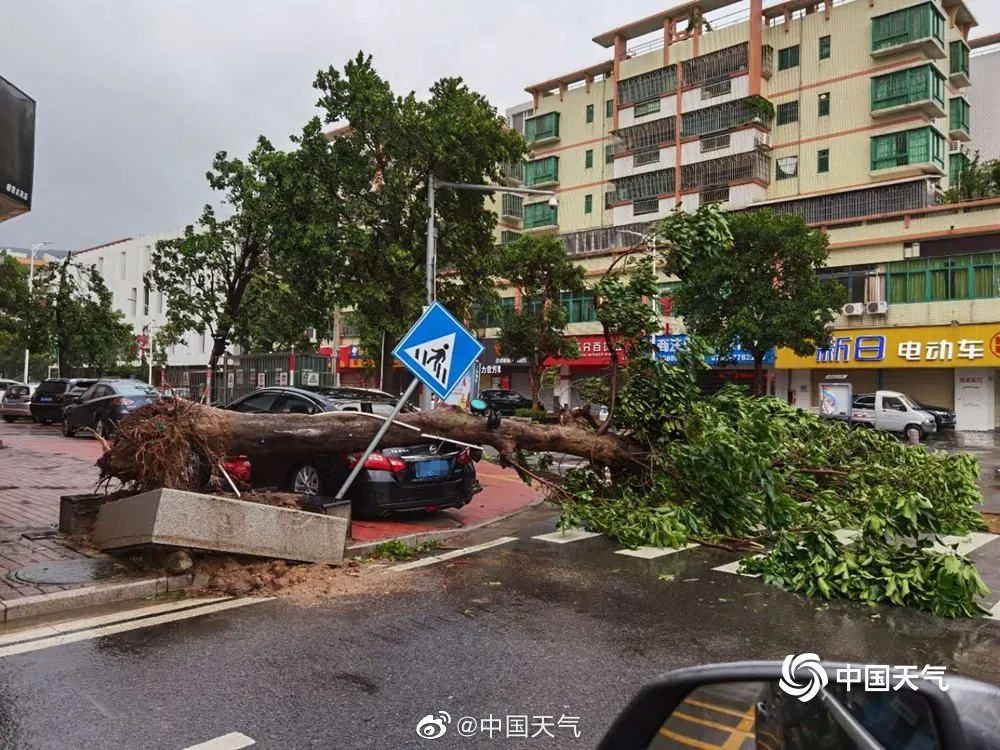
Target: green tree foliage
pixel 538 269
pixel 368 188
pixel 760 289
pixel 732 466
pixel 73 319
pixel 979 180
pixel 243 273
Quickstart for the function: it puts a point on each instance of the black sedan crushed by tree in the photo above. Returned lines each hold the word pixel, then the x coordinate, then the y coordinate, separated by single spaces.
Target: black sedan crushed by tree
pixel 427 476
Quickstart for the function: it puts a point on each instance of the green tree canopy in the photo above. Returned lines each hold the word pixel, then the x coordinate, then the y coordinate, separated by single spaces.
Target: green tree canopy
pixel 757 288
pixel 539 271
pixel 979 180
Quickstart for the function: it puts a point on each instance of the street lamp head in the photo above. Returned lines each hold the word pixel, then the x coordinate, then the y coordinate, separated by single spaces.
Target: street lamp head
pixel 554 202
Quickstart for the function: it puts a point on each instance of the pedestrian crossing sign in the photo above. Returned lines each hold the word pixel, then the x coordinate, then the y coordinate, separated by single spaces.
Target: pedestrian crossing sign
pixel 438 350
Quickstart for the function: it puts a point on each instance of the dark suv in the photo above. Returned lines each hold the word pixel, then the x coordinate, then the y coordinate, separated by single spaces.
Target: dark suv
pixel 505 402
pixel 53 395
pixel 427 476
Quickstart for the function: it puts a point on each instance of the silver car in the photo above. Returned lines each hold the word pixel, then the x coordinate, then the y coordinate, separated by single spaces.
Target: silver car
pixel 16 402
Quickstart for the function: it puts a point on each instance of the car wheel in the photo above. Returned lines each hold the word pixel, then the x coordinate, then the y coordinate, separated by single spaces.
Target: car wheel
pixel 9 420
pixel 67 430
pixel 306 481
pixel 913 434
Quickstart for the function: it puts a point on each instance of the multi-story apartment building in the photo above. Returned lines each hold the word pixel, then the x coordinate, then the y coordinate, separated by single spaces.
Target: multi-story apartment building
pixel 853 114
pixel 984 65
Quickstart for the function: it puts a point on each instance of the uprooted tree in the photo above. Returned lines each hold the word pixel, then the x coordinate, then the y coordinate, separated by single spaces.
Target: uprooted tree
pixel 819 508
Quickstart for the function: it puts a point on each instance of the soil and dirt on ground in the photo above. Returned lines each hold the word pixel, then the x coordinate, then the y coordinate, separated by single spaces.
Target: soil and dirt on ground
pixel 302 582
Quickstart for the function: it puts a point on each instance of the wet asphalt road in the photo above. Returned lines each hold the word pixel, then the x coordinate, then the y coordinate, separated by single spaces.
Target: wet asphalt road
pixel 529 628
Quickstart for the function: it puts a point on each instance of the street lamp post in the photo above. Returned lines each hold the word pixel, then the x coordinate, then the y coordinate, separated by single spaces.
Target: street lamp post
pixel 434 184
pixel 31 286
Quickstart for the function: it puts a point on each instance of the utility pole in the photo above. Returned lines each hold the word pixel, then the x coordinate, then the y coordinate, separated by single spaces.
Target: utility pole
pixel 31 287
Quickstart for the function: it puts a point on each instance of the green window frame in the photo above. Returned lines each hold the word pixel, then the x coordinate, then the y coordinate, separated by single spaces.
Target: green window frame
pixel 483 319
pixel 959 277
pixel 508 235
pixel 824 104
pixel 588 159
pixel 907 25
pixel 647 107
pixel 540 215
pixel 788 113
pixel 541 171
pixel 590 113
pixel 541 127
pixel 609 108
pixel 957 163
pixel 824 47
pixel 917 146
pixel 958 114
pixel 907 86
pixel 580 306
pixel 958 57
pixel 588 203
pixel 788 57
pixel 823 160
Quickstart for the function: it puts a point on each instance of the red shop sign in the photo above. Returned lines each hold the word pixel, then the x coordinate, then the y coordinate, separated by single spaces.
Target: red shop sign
pixel 593 353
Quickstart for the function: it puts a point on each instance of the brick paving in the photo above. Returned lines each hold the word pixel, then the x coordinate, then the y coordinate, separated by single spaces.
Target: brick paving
pixel 37 467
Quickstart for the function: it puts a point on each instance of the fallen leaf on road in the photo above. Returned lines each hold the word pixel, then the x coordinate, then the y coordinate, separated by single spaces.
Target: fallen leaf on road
pixel 493 583
pixel 666 577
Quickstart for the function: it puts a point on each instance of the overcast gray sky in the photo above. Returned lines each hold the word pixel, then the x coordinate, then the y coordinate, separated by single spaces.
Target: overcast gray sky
pixel 135 96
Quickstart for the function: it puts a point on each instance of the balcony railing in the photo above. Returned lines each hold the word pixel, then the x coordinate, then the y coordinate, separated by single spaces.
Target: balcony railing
pixel 857 204
pixel 716 173
pixel 721 117
pixel 958 119
pixel 647 85
pixel 604 238
pixel 648 135
pixel 645 206
pixel 767 61
pixel 715 65
pixel 645 185
pixel 917 27
pixel 541 128
pixel 540 215
pixel 514 172
pixel 958 64
pixel 512 206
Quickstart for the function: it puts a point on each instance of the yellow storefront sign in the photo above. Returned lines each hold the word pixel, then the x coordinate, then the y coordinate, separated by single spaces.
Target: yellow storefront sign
pixel 976 345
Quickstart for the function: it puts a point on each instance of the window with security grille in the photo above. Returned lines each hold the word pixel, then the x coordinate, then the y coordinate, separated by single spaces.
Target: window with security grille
pixel 787 167
pixel 788 113
pixel 646 206
pixel 639 158
pixel 647 108
pixel 647 85
pixel 717 88
pixel 541 127
pixel 715 143
pixel 542 171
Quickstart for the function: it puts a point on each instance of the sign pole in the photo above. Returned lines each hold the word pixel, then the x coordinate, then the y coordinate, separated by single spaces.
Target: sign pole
pixel 384 428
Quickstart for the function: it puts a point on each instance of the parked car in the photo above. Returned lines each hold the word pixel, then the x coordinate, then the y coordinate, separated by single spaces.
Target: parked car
pixel 52 395
pixel 5 383
pixel 944 416
pixel 16 402
pixel 505 402
pixel 426 476
pixel 104 404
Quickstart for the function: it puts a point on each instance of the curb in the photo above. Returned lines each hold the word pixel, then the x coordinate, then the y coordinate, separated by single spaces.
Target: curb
pixel 354 550
pixel 92 596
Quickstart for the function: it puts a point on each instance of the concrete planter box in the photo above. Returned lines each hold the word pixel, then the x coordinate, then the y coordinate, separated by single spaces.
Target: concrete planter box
pixel 173 518
pixel 78 513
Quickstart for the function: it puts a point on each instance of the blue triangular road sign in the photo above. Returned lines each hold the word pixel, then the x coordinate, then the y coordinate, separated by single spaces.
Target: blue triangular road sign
pixel 438 350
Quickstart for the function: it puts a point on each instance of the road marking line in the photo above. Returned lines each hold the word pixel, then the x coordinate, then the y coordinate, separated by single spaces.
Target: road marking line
pixel 734 567
pixel 966 544
pixel 231 741
pixel 67 626
pixel 994 612
pixel 688 741
pixel 450 555
pixel 712 724
pixel 714 707
pixel 651 553
pixel 564 537
pixel 122 627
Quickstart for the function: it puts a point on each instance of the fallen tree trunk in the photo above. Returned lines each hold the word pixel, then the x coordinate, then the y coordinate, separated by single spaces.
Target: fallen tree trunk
pixel 152 446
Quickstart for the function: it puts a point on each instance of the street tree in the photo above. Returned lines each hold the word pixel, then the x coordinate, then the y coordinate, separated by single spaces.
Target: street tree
pixel 539 271
pixel 243 273
pixel 368 190
pixel 979 180
pixel 72 317
pixel 760 290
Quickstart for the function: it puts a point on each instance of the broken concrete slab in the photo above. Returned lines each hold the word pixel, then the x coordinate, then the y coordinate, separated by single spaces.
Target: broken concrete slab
pixel 174 518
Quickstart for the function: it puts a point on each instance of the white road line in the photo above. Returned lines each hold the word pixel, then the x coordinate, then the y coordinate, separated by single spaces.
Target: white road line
pixel 85 623
pixel 734 567
pixel 651 553
pixel 450 555
pixel 966 544
pixel 231 741
pixel 994 612
pixel 122 627
pixel 564 537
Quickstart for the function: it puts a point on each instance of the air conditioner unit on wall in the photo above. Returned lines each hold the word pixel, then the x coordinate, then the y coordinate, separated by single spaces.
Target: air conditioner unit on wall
pixel 879 307
pixel 853 308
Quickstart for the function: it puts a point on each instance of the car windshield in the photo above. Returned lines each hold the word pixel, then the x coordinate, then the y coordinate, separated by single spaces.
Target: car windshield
pixel 53 386
pixel 909 402
pixel 18 390
pixel 135 388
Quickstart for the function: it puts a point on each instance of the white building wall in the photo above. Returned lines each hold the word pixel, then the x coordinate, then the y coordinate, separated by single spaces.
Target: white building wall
pixel 984 102
pixel 123 265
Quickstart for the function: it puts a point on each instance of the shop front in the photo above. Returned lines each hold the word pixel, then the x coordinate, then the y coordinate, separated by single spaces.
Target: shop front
pixel 735 367
pixel 354 369
pixel 499 372
pixel 953 366
pixel 592 361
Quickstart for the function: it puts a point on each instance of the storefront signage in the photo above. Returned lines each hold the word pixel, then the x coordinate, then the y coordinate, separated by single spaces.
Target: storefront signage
pixel 593 352
pixel 349 358
pixel 665 347
pixel 975 345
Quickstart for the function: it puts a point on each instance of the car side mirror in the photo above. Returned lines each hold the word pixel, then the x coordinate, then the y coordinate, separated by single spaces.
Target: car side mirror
pixel 75 400
pixel 801 702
